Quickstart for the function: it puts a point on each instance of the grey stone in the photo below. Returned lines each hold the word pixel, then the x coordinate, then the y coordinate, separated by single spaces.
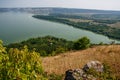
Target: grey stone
pixel 95 65
pixel 69 75
pixel 81 74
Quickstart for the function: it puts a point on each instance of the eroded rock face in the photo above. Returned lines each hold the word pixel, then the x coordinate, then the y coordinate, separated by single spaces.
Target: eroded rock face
pixel 81 74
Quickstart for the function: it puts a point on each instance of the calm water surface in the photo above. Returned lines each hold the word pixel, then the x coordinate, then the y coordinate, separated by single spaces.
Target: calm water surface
pixel 16 27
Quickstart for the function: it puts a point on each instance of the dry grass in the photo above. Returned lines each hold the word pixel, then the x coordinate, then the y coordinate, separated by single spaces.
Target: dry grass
pixel 71 60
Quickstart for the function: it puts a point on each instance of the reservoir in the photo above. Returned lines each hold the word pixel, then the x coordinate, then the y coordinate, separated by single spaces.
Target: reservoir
pixel 16 27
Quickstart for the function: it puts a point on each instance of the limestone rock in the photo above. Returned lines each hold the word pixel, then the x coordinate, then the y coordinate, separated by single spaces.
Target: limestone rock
pixel 95 65
pixel 81 74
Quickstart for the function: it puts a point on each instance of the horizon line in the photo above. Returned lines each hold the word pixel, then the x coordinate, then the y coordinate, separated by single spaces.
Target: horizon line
pixel 65 8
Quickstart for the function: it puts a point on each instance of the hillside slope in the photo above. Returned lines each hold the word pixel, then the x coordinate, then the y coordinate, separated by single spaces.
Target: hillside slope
pixel 109 54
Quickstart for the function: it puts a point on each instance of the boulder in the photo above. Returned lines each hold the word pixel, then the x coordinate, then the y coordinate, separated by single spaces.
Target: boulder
pixel 69 75
pixel 96 65
pixel 81 74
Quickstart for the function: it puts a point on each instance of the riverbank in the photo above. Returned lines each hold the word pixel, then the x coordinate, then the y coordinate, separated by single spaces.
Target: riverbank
pixel 101 28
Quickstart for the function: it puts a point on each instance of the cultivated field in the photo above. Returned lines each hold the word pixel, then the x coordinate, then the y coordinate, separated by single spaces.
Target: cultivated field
pixel 115 25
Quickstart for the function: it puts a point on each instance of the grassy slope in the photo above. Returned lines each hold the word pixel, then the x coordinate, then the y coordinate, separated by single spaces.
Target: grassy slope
pixel 71 60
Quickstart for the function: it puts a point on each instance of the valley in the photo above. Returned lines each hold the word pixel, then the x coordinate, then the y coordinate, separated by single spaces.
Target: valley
pixel 44 43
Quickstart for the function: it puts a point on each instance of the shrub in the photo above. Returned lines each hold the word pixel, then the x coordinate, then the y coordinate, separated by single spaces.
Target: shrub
pixel 20 64
pixel 82 43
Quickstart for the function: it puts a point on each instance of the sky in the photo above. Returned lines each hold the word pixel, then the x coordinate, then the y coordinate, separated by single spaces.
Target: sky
pixel 85 4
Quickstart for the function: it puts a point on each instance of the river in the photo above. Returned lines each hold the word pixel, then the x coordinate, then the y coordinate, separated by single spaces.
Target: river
pixel 16 27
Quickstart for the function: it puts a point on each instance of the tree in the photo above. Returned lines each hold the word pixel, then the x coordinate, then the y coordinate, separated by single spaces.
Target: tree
pixel 82 43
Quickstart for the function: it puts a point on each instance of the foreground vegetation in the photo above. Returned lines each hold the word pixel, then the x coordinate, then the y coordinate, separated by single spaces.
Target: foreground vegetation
pixel 18 64
pixel 23 63
pixel 98 24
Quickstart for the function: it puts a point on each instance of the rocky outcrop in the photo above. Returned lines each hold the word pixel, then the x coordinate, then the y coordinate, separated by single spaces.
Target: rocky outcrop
pixel 81 74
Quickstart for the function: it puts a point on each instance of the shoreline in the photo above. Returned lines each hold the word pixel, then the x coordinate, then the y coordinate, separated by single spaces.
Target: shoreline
pixel 75 25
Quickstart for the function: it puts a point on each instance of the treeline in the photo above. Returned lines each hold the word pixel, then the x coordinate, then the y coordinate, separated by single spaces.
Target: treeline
pixel 48 46
pixel 97 28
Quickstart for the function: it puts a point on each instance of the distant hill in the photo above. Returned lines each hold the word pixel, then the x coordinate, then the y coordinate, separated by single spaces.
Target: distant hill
pixel 48 10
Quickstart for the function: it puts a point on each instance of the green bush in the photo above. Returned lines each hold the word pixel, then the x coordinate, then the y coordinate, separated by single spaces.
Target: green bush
pixel 20 64
pixel 82 43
